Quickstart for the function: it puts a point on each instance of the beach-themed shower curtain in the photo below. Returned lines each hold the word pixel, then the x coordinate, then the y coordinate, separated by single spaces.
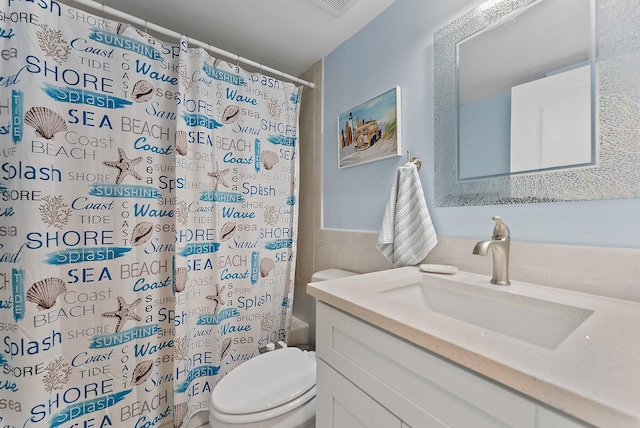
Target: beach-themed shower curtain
pixel 148 212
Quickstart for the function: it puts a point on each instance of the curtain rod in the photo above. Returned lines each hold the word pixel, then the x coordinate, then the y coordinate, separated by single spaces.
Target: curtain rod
pixel 162 30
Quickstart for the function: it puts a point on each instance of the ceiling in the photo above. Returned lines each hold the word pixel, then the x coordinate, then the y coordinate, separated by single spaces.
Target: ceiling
pixel 288 35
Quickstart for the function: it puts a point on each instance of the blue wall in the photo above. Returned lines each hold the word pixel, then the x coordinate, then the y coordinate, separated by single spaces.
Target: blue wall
pixel 397 49
pixel 485 137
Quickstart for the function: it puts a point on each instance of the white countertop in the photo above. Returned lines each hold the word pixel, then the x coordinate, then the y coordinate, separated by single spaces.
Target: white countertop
pixel 594 374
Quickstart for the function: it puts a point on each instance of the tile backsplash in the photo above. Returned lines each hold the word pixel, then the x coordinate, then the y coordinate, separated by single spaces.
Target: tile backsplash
pixel 611 272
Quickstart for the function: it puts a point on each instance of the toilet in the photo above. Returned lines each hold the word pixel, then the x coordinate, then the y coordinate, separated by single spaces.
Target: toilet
pixel 276 389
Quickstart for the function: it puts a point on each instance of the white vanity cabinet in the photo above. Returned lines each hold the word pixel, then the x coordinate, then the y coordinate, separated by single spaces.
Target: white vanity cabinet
pixel 368 377
pixel 342 404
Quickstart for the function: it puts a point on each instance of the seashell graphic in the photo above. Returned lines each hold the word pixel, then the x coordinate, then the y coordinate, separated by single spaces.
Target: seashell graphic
pixel 141 233
pixel 224 348
pixel 45 292
pixel 266 322
pixel 181 279
pixel 179 412
pixel 142 91
pixel 230 114
pixel 269 158
pixel 266 265
pixel 142 372
pixel 181 142
pixel 45 121
pixel 227 231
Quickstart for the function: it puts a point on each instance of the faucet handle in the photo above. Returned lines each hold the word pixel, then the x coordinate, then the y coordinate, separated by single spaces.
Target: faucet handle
pixel 500 231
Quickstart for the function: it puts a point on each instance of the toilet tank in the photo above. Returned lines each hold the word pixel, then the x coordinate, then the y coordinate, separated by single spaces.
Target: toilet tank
pixel 300 333
pixel 327 274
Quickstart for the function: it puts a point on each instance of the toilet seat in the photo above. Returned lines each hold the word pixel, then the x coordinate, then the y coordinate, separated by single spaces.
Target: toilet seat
pixel 265 414
pixel 265 387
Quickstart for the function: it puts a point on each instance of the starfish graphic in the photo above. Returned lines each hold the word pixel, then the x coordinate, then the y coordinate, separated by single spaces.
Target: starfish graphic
pixel 124 312
pixel 125 165
pixel 219 176
pixel 216 298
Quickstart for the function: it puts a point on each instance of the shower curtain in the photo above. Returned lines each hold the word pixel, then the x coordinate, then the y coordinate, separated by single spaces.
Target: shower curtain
pixel 148 220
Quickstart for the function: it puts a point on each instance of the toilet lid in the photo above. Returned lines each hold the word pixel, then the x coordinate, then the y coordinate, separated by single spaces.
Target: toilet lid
pixel 266 381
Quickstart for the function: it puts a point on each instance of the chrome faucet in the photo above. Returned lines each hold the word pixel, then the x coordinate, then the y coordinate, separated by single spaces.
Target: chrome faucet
pixel 499 243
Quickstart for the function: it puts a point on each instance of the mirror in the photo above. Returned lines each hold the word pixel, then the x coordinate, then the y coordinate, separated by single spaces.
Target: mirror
pixel 523 105
pixel 524 92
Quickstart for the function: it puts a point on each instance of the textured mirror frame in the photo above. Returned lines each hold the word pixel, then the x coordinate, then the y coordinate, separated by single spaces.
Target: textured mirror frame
pixel 616 65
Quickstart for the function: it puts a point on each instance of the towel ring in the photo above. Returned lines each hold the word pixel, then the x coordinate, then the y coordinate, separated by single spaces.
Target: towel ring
pixel 416 161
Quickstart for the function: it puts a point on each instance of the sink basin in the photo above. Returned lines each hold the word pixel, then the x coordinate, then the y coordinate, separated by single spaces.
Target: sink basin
pixel 539 322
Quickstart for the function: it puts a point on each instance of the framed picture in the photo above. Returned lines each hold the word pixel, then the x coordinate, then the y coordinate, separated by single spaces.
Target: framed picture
pixel 370 131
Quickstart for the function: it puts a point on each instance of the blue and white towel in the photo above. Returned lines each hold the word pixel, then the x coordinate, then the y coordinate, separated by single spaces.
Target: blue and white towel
pixel 407 234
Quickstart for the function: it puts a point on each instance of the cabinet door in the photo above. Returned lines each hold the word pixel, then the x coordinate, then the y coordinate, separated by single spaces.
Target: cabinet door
pixel 551 418
pixel 340 404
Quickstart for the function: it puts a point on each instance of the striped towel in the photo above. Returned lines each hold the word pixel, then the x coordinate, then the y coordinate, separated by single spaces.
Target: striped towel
pixel 407 234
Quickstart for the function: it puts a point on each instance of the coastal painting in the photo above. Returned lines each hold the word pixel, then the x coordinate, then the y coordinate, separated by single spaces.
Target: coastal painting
pixel 370 131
